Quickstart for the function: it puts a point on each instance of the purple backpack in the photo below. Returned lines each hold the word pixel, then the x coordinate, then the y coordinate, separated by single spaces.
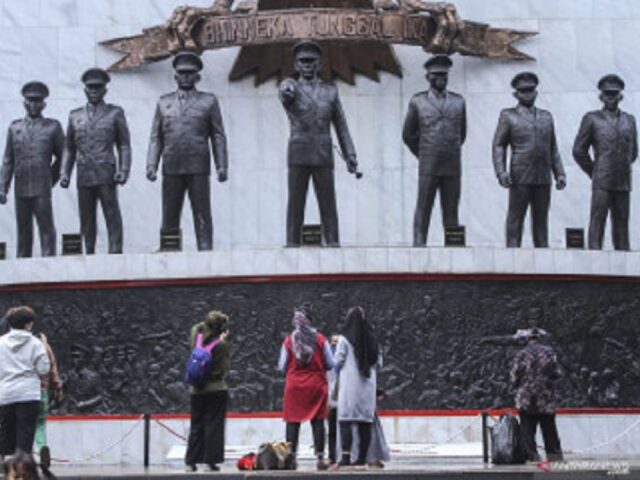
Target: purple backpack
pixel 199 363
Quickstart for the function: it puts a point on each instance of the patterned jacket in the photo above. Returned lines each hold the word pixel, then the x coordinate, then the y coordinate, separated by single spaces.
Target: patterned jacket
pixel 535 368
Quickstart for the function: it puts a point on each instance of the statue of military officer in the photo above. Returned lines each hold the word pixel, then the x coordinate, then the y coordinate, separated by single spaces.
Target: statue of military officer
pixel 530 134
pixel 613 136
pixel 185 122
pixel 94 131
pixel 32 143
pixel 434 130
pixel 312 106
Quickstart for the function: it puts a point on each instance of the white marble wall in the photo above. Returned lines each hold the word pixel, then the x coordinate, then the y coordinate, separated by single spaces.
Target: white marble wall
pixel 95 442
pixel 579 41
pixel 240 263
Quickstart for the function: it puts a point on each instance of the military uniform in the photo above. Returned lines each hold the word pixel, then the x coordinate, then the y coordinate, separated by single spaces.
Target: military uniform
pixel 92 134
pixel 534 156
pixel 32 143
pixel 435 129
pixel 184 123
pixel 614 139
pixel 534 370
pixel 310 154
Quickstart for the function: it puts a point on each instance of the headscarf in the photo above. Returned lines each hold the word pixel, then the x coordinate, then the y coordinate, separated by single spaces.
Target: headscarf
pixel 360 335
pixel 303 337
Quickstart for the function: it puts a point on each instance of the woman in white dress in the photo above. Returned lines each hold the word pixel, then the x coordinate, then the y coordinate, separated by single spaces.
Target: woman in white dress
pixel 356 358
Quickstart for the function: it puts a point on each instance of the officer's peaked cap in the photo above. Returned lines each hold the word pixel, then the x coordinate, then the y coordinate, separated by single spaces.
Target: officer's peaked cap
pixel 307 48
pixel 187 62
pixel 438 63
pixel 35 89
pixel 95 76
pixel 611 82
pixel 525 80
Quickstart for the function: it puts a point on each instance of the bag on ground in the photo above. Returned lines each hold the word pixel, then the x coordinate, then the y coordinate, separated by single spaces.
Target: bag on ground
pixel 275 456
pixel 247 462
pixel 506 442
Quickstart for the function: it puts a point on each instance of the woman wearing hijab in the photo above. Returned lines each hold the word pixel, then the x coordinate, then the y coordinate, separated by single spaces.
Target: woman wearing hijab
pixel 209 402
pixel 306 356
pixel 356 359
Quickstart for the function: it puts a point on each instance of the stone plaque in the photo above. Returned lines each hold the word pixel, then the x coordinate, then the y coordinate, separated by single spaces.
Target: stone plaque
pixel 71 244
pixel 312 235
pixel 455 236
pixel 575 237
pixel 171 240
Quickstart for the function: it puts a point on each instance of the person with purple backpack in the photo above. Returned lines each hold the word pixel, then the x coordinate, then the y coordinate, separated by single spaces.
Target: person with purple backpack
pixel 209 395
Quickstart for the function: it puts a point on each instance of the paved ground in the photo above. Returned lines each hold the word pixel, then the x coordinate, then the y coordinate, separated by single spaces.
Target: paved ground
pixel 405 469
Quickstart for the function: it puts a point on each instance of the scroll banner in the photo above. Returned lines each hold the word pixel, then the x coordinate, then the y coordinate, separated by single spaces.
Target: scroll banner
pixel 221 31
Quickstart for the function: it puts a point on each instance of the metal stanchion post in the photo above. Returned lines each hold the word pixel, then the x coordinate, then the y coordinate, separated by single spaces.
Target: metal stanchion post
pixel 147 422
pixel 485 437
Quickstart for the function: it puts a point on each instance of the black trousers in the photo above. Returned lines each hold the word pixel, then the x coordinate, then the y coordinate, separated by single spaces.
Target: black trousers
pixel 324 186
pixel 528 425
pixel 41 209
pixel 18 426
pixel 206 435
pixel 88 198
pixel 174 189
pixel 333 432
pixel 603 202
pixel 346 437
pixel 293 434
pixel 428 185
pixel 521 197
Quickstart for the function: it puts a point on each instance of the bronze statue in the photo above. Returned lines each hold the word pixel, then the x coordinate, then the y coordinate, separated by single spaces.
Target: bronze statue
pixel 530 133
pixel 312 106
pixel 93 132
pixel 185 122
pixel 434 130
pixel 613 136
pixel 32 143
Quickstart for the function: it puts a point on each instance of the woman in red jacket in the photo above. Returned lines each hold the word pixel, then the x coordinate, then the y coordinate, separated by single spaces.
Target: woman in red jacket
pixel 306 356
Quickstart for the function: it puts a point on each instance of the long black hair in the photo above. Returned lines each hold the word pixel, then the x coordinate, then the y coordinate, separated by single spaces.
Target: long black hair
pixel 360 335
